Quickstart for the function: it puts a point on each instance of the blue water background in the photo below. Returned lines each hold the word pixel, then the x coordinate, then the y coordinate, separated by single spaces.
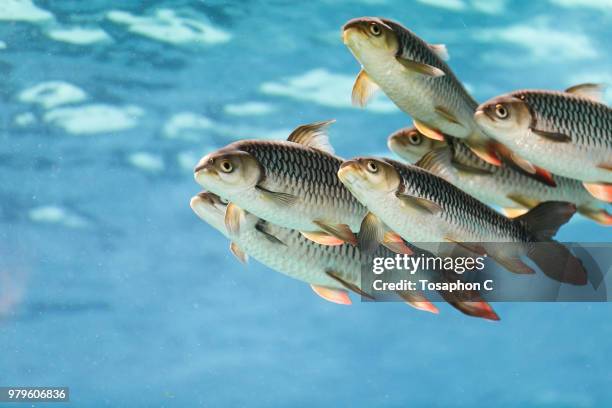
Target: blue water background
pixel 110 285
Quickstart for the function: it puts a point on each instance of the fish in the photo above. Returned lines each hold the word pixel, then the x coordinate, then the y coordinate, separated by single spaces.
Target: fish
pixel 415 76
pixel 567 133
pixel 424 208
pixel 506 186
pixel 331 271
pixel 290 183
pixel 411 145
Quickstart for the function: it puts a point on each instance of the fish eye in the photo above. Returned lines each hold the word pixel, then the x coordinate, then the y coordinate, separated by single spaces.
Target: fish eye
pixel 372 167
pixel 501 111
pixel 226 166
pixel 224 201
pixel 375 29
pixel 415 139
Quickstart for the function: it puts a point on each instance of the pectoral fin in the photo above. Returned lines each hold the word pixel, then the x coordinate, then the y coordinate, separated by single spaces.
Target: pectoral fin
pixel 428 131
pixel 527 168
pixel 420 204
pixel 281 199
pixel 313 135
pixel 338 296
pixel 601 191
pixel 322 238
pixel 363 89
pixel 594 92
pixel 418 301
pixel 486 152
pixel 239 253
pixel 371 233
pixel 446 114
pixel 419 67
pixel 552 136
pixel 234 217
pixel 341 231
pixel 348 285
pixel 262 227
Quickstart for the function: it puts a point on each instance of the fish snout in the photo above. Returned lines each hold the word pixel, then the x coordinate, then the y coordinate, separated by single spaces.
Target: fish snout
pixel 349 169
pixel 204 164
pixel 351 28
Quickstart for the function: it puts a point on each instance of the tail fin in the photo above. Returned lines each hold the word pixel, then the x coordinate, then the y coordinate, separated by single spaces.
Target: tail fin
pixel 557 262
pixel 553 258
pixel 545 219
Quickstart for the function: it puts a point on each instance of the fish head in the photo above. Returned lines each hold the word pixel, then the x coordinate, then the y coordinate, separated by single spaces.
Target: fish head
pixel 210 208
pixel 504 117
pixel 370 37
pixel 368 177
pixel 228 171
pixel 411 145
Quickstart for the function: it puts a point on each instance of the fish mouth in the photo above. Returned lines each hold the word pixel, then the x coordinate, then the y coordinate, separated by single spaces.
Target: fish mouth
pixel 351 30
pixel 204 202
pixel 482 114
pixel 204 170
pixel 349 171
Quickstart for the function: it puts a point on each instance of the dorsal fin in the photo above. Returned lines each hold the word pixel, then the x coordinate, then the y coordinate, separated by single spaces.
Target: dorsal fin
pixel 591 91
pixel 440 50
pixel 313 135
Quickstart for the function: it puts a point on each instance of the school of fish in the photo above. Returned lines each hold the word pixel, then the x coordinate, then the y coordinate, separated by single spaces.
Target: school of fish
pixel 538 156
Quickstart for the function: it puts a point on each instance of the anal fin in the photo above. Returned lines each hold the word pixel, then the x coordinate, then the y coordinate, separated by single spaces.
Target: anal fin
pixel 348 285
pixel 418 301
pixel 337 296
pixel 601 191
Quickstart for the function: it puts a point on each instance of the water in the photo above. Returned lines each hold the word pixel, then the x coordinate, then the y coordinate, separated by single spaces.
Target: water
pixel 111 286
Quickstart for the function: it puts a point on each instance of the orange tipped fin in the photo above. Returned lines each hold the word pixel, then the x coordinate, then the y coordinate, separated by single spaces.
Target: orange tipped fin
pixel 337 296
pixel 396 244
pixel 428 131
pixel 348 285
pixel 598 215
pixel 322 238
pixel 340 231
pixel 480 309
pixel 418 301
pixel 601 191
pixel 487 152
pixel 514 212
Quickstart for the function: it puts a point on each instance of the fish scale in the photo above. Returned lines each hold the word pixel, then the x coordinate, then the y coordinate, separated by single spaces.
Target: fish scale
pixel 497 182
pixel 565 133
pixel 582 119
pixel 309 174
pixel 459 208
